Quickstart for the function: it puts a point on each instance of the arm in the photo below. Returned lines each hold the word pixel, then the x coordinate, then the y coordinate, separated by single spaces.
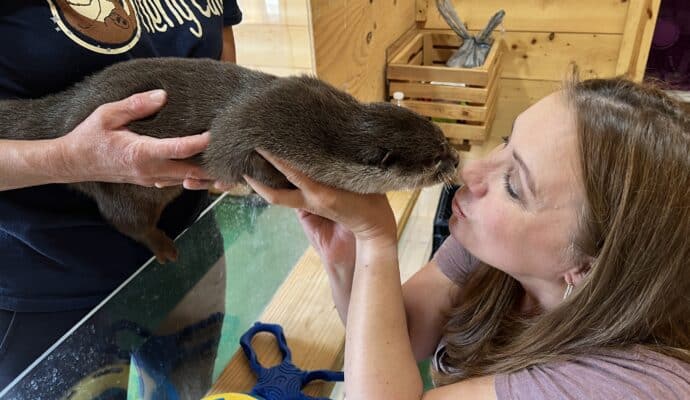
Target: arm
pixel 28 163
pixel 427 295
pixel 379 359
pixel 228 53
pixel 101 149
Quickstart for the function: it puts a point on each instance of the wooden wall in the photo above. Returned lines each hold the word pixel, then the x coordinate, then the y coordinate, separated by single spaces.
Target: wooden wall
pixel 350 41
pixel 603 37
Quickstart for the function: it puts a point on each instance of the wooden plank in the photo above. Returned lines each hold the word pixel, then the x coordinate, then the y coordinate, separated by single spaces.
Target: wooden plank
pixel 418 59
pixel 450 93
pixel 420 14
pixel 350 42
pixel 462 131
pixel 632 35
pixel 394 49
pixel 543 56
pixel 304 307
pixel 439 74
pixel 582 16
pixel 446 110
pixel 428 47
pixel 634 51
pixel 409 50
pixel 646 41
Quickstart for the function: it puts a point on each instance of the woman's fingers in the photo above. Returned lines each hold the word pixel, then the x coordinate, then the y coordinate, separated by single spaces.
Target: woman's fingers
pixel 285 197
pixel 294 176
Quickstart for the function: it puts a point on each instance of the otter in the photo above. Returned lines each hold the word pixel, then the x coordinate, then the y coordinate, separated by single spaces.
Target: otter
pixel 324 132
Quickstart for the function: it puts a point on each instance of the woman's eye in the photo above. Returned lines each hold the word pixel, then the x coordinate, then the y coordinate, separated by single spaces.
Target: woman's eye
pixel 506 140
pixel 506 182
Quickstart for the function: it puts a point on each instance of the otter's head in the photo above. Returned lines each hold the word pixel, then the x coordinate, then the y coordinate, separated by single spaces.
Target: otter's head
pixel 335 139
pixel 391 148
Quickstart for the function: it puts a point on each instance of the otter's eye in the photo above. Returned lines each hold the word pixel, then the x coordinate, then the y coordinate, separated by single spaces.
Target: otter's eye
pixel 388 159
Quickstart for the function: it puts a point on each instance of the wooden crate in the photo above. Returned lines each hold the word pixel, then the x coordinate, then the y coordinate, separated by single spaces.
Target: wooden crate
pixel 462 101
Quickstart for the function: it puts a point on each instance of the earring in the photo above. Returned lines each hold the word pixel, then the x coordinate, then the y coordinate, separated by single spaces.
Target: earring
pixel 568 290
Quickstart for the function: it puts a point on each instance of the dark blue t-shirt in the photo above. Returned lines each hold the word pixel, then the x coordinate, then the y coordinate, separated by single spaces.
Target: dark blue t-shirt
pixel 56 251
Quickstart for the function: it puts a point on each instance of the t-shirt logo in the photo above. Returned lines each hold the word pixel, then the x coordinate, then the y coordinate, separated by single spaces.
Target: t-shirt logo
pixel 102 26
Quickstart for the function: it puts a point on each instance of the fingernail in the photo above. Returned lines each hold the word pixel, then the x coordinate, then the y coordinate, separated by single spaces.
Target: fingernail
pixel 157 95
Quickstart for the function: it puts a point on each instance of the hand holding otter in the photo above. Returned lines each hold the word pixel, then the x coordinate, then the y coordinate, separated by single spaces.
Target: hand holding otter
pixel 367 216
pixel 102 149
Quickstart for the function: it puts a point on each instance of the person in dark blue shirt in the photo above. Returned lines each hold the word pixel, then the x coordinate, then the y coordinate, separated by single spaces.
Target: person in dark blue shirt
pixel 58 257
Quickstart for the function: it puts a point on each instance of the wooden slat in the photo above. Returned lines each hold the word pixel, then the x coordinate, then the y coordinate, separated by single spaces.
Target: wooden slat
pixel 304 308
pixel 462 131
pixel 409 50
pixel 418 59
pixel 439 74
pixel 543 56
pixel 582 16
pixel 450 93
pixel 394 49
pixel 428 47
pixel 632 35
pixel 446 110
pixel 639 68
pixel 641 15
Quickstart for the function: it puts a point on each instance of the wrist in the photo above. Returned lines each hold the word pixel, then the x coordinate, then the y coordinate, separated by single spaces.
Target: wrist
pixel 381 237
pixel 64 156
pixel 381 245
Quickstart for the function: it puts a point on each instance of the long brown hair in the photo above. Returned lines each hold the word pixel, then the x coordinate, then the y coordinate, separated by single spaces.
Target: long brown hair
pixel 634 145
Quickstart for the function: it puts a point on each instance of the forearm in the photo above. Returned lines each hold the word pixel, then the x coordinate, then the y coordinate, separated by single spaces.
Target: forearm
pixel 26 163
pixel 228 53
pixel 379 362
pixel 340 281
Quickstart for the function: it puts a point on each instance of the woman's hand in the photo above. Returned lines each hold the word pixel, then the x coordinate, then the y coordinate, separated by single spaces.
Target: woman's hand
pixel 367 216
pixel 334 243
pixel 102 149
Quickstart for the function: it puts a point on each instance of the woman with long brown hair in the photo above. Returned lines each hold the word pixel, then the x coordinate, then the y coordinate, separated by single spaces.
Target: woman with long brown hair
pixel 565 275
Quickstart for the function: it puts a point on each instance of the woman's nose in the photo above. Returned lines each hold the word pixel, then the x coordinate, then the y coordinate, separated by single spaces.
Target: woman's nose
pixel 474 175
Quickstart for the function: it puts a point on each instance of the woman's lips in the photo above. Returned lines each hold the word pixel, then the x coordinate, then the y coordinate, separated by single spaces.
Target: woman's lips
pixel 457 210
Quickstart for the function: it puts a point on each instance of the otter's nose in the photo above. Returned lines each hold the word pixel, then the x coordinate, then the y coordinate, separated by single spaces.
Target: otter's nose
pixel 450 156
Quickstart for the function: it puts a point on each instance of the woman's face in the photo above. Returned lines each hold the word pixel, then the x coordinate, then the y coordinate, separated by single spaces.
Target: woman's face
pixel 518 208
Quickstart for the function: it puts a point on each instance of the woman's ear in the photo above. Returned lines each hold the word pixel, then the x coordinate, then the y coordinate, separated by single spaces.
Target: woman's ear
pixel 578 273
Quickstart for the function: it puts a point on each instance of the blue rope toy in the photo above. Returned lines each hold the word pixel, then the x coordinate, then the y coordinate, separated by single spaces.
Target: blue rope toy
pixel 283 381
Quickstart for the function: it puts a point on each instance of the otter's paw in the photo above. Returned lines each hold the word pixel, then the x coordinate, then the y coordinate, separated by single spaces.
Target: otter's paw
pixel 161 246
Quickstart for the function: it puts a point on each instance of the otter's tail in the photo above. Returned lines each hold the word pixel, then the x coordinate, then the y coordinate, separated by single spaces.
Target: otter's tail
pixel 31 119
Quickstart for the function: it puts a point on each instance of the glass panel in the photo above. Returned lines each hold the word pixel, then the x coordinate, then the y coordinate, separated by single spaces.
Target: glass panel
pixel 168 332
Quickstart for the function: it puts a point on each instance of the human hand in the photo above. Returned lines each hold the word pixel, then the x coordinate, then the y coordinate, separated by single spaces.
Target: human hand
pixel 102 149
pixel 367 216
pixel 334 243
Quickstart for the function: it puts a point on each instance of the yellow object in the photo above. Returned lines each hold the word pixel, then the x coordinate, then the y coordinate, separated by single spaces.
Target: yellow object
pixel 229 396
pixel 113 376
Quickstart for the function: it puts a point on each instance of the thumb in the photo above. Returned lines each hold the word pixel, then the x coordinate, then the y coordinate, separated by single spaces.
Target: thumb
pixel 120 113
